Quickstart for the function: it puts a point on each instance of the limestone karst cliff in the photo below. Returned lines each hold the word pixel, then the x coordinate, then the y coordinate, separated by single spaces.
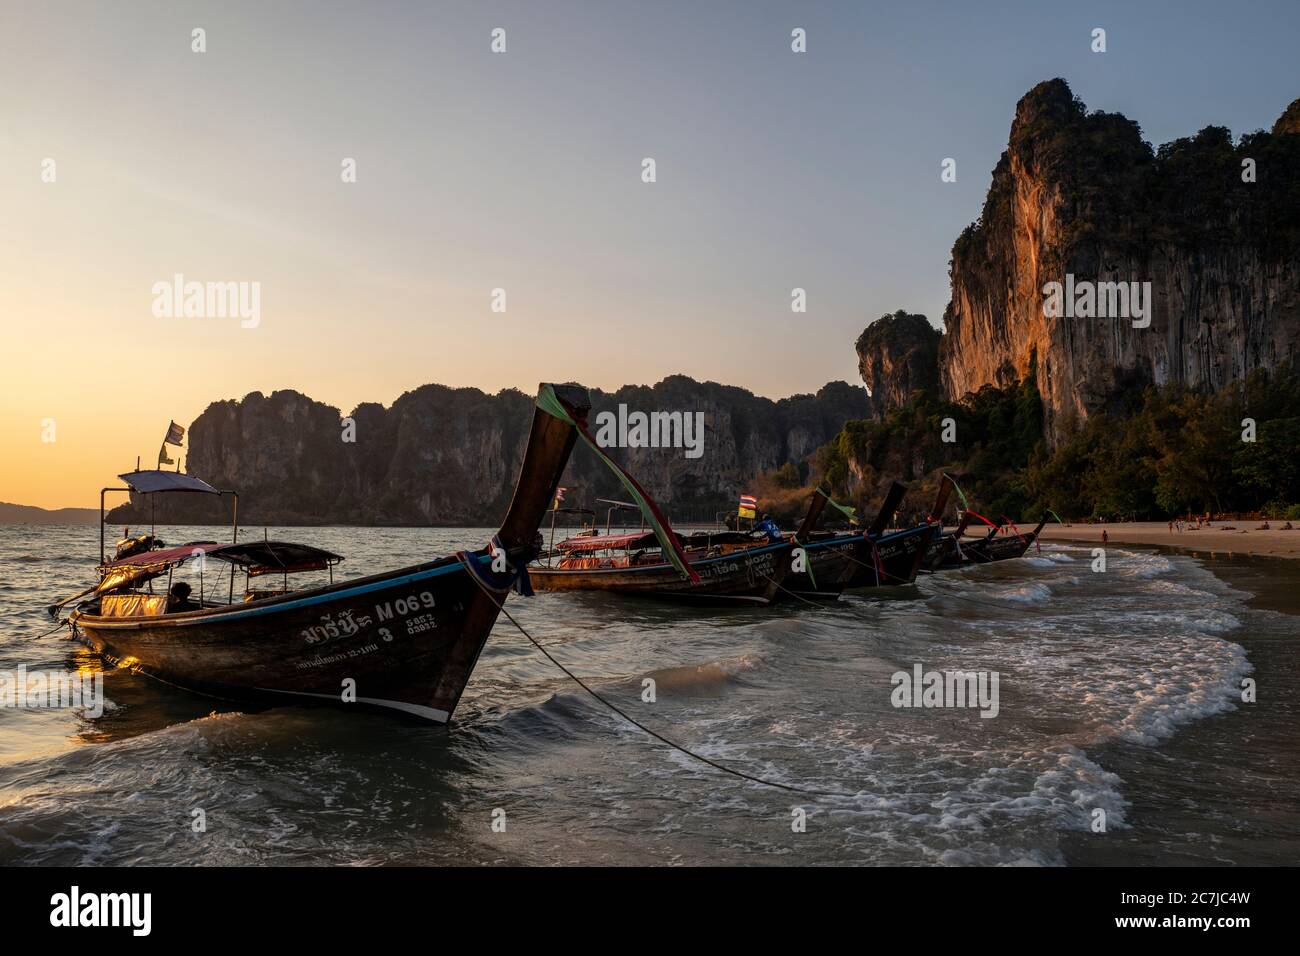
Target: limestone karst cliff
pixel 1213 226
pixel 443 456
pixel 898 356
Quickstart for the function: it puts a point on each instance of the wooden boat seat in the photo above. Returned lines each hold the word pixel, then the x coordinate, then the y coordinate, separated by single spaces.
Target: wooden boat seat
pixel 256 594
pixel 132 605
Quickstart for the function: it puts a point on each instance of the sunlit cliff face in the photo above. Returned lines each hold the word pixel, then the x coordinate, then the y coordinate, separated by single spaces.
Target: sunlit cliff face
pixel 1080 197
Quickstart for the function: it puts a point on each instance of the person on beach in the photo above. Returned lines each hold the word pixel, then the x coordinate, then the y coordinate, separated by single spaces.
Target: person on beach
pixel 1105 538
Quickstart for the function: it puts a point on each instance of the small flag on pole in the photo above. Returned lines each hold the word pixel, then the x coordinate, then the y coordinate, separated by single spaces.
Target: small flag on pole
pixel 748 507
pixel 175 434
pixel 559 496
pixel 162 456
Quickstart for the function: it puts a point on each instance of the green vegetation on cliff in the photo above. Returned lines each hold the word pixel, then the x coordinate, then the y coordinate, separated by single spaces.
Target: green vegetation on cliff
pixel 996 431
pixel 1175 450
pixel 1166 450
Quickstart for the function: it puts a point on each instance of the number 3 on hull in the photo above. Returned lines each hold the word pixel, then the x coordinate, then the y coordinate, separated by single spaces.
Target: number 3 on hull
pixel 404 640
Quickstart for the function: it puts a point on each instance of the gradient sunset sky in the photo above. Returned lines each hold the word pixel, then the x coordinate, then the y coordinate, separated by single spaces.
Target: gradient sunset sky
pixel 519 170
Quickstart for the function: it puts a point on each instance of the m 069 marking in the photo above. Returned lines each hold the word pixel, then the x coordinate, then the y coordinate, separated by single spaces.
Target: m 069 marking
pixel 403 607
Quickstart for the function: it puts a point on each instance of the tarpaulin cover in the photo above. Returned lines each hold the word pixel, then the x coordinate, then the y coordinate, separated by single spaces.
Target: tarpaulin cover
pixel 132 605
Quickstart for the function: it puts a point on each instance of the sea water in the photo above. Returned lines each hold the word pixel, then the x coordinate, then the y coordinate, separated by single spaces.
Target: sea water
pixel 1120 703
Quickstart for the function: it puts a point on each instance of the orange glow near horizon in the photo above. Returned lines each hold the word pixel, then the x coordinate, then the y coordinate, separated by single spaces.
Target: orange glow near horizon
pixel 127 158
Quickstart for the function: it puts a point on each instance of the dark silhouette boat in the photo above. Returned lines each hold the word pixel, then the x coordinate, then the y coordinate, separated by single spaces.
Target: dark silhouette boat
pixel 1004 544
pixel 952 549
pixel 404 640
pixel 863 559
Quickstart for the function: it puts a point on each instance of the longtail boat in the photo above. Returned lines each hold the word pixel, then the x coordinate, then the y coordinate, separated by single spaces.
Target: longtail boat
pixel 404 640
pixel 719 568
pixel 869 559
pixel 946 550
pixel 945 547
pixel 1003 546
pixel 996 545
pixel 952 550
pixel 896 559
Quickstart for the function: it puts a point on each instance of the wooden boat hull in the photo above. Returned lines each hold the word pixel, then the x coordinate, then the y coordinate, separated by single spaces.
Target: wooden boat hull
pixel 741 577
pixel 404 640
pixel 946 554
pixel 841 562
pixel 1011 546
pixel 401 639
pixel 901 555
pixel 833 562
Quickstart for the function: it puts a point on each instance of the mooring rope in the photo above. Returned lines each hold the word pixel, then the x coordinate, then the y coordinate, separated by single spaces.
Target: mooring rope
pixel 819 605
pixel 646 730
pixel 740 774
pixel 60 626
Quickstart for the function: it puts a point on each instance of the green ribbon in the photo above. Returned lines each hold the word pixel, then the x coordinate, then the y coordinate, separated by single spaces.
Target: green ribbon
pixel 850 513
pixel 550 403
pixel 965 505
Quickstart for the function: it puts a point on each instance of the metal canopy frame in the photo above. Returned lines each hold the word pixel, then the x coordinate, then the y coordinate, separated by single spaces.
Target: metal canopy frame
pixel 220 493
pixel 619 506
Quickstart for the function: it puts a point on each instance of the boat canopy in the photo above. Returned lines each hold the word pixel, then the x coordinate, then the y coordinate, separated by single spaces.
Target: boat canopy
pixel 275 557
pixel 147 564
pixel 618 542
pixel 148 482
pixel 165 556
pixel 255 557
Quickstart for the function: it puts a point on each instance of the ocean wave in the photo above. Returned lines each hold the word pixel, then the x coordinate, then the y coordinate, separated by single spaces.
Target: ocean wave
pixel 1047 560
pixel 1025 594
pixel 1141 565
pixel 1166 699
pixel 707 676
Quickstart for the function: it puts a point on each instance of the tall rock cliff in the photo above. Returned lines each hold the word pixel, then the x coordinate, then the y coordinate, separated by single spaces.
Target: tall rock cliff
pixel 443 456
pixel 1082 194
pixel 898 356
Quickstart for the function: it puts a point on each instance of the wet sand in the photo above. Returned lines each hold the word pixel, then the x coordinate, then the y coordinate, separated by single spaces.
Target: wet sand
pixel 1216 540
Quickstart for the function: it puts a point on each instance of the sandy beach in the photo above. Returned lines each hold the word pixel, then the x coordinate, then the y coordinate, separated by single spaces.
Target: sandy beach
pixel 1216 540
